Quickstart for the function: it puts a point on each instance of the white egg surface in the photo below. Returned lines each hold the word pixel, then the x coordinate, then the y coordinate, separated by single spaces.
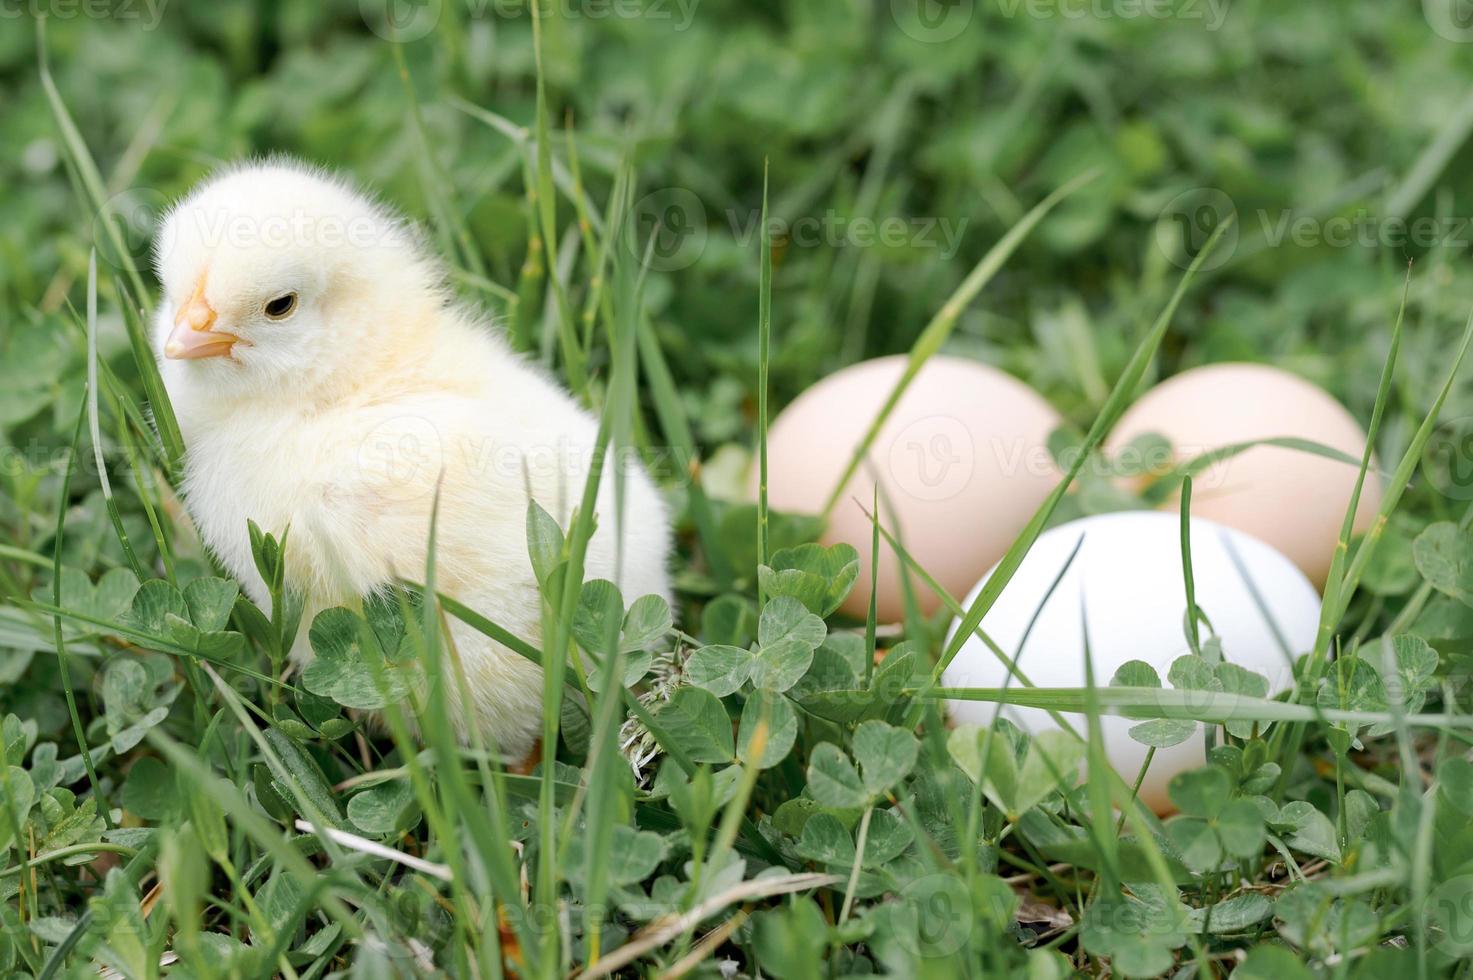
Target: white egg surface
pixel 1127 584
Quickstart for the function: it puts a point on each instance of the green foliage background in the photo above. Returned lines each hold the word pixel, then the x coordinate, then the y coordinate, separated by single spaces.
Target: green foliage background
pixel 1327 127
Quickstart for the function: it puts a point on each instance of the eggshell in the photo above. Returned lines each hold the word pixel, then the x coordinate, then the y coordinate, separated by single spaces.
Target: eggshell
pixel 1127 583
pixel 1294 500
pixel 962 463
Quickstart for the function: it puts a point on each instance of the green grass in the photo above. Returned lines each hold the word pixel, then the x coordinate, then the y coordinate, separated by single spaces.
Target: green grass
pixel 171 793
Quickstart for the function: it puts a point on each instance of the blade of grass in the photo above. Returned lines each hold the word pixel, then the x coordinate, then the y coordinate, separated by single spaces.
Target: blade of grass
pixel 1161 487
pixel 601 808
pixel 1154 702
pixel 558 325
pixel 134 871
pixel 764 342
pixel 912 618
pixel 676 427
pixel 1098 770
pixel 481 624
pixel 257 827
pixel 94 427
pixel 301 797
pixel 1341 584
pixel 1123 794
pixel 871 612
pixel 63 663
pixel 22 555
pixel 1432 160
pixel 573 354
pixel 664 929
pixel 566 180
pixel 935 333
pixel 437 180
pixel 956 610
pixel 82 164
pixel 1340 588
pixel 116 517
pixel 534 268
pixel 1114 406
pixel 1194 639
pixel 596 246
pixel 553 671
pixel 148 640
pixel 861 839
pixel 604 759
pixel 146 489
pixel 129 418
pixel 81 158
pixel 489 826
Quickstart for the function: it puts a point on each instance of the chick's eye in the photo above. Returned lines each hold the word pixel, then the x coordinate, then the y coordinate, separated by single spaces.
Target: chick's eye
pixel 281 307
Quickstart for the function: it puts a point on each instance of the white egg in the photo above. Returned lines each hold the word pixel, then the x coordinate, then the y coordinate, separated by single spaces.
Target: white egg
pixel 1127 584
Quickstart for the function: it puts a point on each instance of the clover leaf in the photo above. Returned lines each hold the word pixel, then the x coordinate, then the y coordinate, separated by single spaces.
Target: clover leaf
pixel 340 670
pixel 818 577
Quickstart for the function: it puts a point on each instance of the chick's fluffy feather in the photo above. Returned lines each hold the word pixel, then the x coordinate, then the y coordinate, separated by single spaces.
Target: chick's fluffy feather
pixel 339 422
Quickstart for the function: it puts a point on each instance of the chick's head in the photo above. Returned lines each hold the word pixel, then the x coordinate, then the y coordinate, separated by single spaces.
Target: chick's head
pixel 279 278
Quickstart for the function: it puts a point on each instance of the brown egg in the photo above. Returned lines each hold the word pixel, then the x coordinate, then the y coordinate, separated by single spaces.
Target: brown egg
pixel 1289 498
pixel 962 463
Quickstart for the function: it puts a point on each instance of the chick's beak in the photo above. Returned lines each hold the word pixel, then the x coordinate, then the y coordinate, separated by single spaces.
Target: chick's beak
pixel 192 337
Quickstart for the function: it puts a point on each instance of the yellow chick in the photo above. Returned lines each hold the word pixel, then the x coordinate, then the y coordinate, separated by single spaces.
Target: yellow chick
pixel 325 379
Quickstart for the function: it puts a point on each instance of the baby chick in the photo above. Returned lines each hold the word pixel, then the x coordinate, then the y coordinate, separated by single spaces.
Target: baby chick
pixel 326 380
